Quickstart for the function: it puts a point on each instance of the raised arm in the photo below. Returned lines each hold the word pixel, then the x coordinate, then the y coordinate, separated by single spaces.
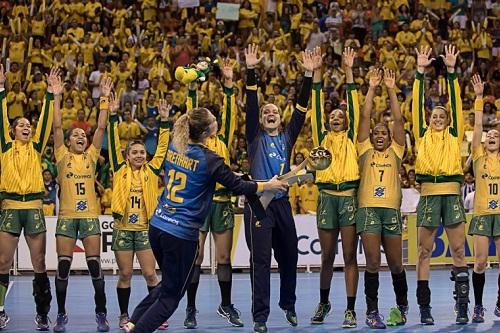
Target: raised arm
pixel 398 131
pixel 375 76
pixel 163 139
pixel 352 94
pixel 57 88
pixel 417 107
pixel 44 127
pixel 115 155
pixel 311 61
pixel 228 118
pixel 455 100
pixel 317 114
pixel 192 97
pixel 4 122
pixel 106 97
pixel 478 86
pixel 252 107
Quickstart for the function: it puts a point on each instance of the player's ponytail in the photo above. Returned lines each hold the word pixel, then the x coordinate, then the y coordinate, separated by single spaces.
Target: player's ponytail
pixel 192 126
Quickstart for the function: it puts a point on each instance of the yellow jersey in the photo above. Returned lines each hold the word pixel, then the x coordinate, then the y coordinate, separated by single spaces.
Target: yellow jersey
pixel 308 197
pixel 343 172
pixel 439 159
pixel 487 173
pixel 21 177
pixel 380 185
pixel 76 178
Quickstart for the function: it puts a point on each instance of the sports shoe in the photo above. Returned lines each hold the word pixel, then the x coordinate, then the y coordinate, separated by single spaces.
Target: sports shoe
pixel 231 314
pixel 425 315
pixel 163 326
pixel 128 327
pixel 375 320
pixel 291 317
pixel 190 321
pixel 397 316
pixel 497 311
pixel 259 327
pixel 102 322
pixel 322 311
pixel 61 321
pixel 42 322
pixel 349 319
pixel 124 319
pixel 462 314
pixel 4 320
pixel 478 315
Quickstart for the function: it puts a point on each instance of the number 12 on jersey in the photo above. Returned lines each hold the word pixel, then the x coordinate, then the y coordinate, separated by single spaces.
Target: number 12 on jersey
pixel 180 179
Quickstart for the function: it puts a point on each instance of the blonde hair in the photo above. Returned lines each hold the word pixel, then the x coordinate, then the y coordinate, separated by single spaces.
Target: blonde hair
pixel 190 126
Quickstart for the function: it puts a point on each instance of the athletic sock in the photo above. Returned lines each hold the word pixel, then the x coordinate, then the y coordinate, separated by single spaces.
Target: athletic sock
pixel 123 299
pixel 371 291
pixel 193 287
pixel 224 275
pixel 478 280
pixel 400 288
pixel 423 293
pixel 4 286
pixel 351 302
pixel 151 288
pixel 324 295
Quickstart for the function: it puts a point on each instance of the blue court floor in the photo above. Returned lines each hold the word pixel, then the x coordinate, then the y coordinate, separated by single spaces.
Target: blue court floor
pixel 80 305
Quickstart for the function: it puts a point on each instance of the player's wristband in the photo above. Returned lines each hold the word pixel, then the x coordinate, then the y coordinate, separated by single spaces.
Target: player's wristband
pixel 478 104
pixel 308 74
pixel 104 103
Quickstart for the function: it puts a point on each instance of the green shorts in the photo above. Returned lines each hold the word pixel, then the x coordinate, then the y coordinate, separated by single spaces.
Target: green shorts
pixel 78 228
pixel 485 225
pixel 335 211
pixel 15 220
pixel 433 210
pixel 128 240
pixel 220 217
pixel 378 220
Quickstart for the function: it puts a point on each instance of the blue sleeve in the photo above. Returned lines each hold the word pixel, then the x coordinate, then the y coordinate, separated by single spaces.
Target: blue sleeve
pixel 293 129
pixel 222 174
pixel 252 107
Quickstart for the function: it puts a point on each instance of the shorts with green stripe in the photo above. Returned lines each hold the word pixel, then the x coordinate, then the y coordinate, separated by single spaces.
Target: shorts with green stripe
pixel 485 225
pixel 378 220
pixel 130 240
pixel 220 217
pixel 335 211
pixel 14 221
pixel 446 209
pixel 78 228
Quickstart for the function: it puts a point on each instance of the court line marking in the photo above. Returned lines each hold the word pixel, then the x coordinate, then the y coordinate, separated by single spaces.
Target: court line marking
pixel 11 283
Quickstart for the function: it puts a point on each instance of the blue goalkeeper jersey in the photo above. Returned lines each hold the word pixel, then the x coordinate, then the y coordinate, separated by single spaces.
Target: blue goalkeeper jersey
pixel 190 180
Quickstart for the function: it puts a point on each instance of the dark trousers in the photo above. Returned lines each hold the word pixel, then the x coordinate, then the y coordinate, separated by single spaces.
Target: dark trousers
pixel 176 258
pixel 276 232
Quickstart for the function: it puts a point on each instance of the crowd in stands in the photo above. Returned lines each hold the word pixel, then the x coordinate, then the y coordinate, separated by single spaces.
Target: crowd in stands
pixel 140 43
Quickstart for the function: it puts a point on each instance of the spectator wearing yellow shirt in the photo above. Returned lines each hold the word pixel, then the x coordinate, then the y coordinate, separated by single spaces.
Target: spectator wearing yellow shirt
pixel 38 25
pixel 16 102
pixel 17 48
pixel 92 11
pixel 178 94
pixel 68 113
pixel 308 197
pixel 247 16
pixel 128 130
pixel 406 38
pixel 76 31
pixel 38 85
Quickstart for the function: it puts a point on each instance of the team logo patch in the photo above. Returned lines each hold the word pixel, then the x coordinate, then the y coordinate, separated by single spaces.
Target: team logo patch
pixel 133 218
pixel 82 206
pixel 379 192
pixel 492 204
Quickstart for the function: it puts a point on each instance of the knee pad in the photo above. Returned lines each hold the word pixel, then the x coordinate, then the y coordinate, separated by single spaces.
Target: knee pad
pixel 42 295
pixel 63 267
pixel 94 266
pixel 462 285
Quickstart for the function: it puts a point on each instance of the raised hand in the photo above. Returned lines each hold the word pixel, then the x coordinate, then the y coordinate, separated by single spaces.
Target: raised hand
pixel 227 69
pixel 113 103
pixel 348 57
pixel 423 57
pixel 389 78
pixel 478 85
pixel 106 86
pixel 164 109
pixel 2 76
pixel 375 77
pixel 450 56
pixel 252 56
pixel 55 82
pixel 317 58
pixel 307 61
